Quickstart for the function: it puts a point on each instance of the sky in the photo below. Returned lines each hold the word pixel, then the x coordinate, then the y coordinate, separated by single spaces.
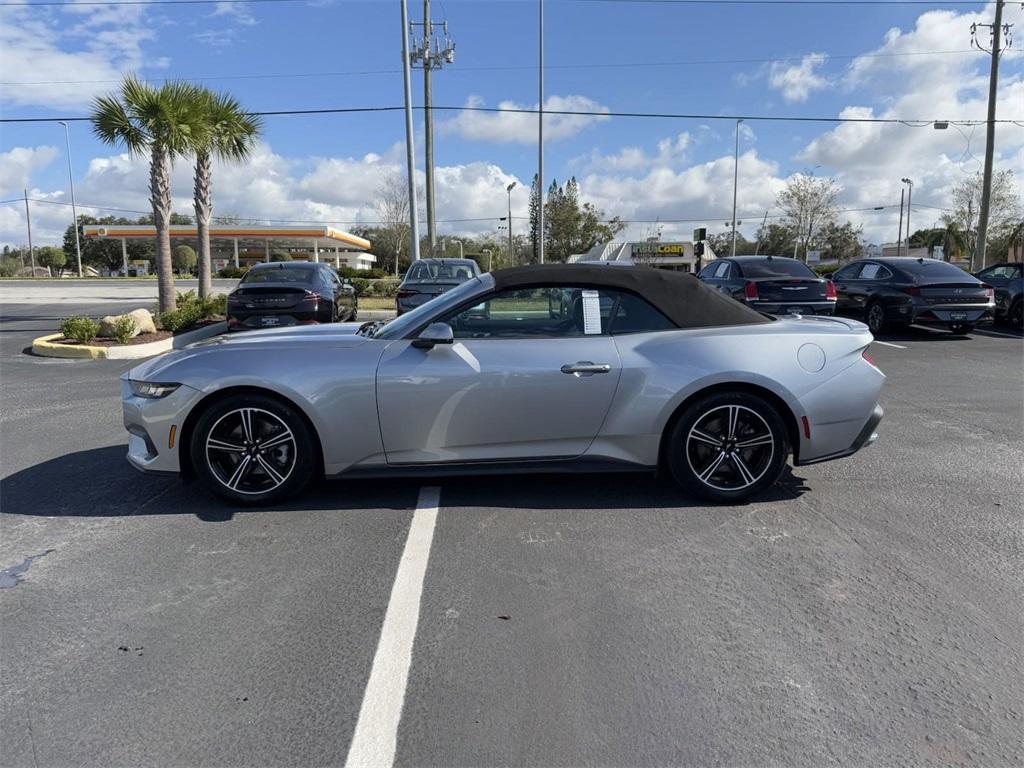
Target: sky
pixel 913 62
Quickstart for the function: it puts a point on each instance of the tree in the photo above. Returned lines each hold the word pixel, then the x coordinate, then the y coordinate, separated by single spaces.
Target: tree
pixel 184 259
pixel 1004 211
pixel 841 242
pixel 52 258
pixel 393 209
pixel 228 133
pixel 280 256
pixel 809 207
pixel 161 122
pixel 571 227
pixel 721 244
pixel 535 218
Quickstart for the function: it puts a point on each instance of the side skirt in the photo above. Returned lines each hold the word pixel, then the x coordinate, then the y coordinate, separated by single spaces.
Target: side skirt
pixel 462 469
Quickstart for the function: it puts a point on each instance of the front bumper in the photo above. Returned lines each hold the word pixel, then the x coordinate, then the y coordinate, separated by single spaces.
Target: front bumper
pixel 151 447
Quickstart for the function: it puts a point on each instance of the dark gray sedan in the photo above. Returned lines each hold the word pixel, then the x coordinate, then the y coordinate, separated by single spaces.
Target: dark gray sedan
pixel 777 285
pixel 428 278
pixel 1009 286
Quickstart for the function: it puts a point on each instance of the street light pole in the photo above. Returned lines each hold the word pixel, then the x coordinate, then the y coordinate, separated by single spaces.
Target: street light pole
pixel 414 225
pixel 509 188
pixel 540 140
pixel 735 180
pixel 899 237
pixel 910 194
pixel 74 208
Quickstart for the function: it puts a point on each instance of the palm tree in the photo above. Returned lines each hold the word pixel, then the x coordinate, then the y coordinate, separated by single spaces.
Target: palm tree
pixel 161 121
pixel 228 133
pixel 954 241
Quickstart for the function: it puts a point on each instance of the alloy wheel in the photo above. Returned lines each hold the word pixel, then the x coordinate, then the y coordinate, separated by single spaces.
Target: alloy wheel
pixel 730 447
pixel 876 317
pixel 250 450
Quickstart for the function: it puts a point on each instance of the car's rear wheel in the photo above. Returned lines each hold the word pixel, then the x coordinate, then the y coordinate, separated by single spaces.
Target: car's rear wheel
pixel 728 446
pixel 961 329
pixel 1016 314
pixel 253 449
pixel 875 317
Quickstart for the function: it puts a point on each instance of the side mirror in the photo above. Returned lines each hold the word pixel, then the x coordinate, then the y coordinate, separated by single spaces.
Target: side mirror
pixel 433 334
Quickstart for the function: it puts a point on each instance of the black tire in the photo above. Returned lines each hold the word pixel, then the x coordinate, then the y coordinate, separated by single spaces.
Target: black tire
pixel 293 458
pixel 1015 317
pixel 739 472
pixel 961 329
pixel 355 315
pixel 874 316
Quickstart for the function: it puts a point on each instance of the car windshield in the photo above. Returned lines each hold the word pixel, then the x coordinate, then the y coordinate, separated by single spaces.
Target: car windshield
pixel 443 271
pixel 775 268
pixel 401 325
pixel 280 275
pixel 932 269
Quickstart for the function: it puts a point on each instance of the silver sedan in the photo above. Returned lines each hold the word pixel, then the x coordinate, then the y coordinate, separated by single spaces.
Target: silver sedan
pixel 560 367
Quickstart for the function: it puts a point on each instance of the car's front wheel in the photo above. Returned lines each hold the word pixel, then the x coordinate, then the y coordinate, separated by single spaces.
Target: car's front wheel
pixel 253 449
pixel 1016 314
pixel 728 446
pixel 875 317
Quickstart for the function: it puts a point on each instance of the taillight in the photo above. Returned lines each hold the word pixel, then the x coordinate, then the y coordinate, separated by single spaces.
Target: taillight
pixel 830 291
pixel 870 360
pixel 405 293
pixel 311 296
pixel 990 292
pixel 911 290
pixel 750 291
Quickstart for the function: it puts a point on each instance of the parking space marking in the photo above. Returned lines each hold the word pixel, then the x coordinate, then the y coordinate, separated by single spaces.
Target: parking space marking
pixel 376 733
pixel 888 344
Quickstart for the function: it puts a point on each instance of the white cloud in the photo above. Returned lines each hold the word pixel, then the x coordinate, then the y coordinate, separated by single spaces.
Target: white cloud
pixel 62 59
pixel 797 82
pixel 237 13
pixel 521 127
pixel 670 151
pixel 18 164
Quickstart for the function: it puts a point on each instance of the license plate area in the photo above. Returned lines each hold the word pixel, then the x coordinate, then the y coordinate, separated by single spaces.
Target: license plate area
pixel 957 315
pixel 270 320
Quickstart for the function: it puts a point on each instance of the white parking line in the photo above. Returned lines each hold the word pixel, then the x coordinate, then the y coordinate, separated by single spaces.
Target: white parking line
pixel 987 332
pixel 888 344
pixel 376 734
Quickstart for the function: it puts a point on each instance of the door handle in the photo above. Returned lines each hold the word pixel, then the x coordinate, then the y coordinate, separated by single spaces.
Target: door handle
pixel 585 368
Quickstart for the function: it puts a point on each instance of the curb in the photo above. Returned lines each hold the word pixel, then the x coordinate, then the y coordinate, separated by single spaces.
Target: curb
pixel 44 346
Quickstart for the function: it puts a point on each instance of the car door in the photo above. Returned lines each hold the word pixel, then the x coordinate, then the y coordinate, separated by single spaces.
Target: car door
pixel 531 375
pixel 849 292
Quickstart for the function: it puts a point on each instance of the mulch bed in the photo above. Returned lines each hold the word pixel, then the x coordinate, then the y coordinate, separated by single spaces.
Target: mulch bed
pixel 142 338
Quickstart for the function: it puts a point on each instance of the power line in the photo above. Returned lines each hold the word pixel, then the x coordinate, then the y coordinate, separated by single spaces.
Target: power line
pixel 824 57
pixel 148 2
pixel 910 123
pixel 787 2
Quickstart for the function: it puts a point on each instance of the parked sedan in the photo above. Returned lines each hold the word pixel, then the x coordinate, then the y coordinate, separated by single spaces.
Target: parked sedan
pixel 904 290
pixel 775 284
pixel 1007 281
pixel 571 367
pixel 428 278
pixel 290 293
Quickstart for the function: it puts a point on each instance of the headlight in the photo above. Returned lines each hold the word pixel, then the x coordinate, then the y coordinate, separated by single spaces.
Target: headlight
pixel 151 389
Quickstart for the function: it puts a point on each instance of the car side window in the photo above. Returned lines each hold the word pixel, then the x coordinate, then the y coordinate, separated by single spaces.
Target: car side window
pixel 847 273
pixel 873 271
pixel 725 270
pixel 635 315
pixel 547 312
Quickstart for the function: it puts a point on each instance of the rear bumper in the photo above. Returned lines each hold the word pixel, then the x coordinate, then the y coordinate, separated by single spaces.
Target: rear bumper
pixel 953 316
pixel 867 435
pixel 796 308
pixel 248 321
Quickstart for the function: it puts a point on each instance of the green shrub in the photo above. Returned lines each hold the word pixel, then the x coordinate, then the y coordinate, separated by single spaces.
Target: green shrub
pixel 826 269
pixel 9 266
pixel 124 329
pixel 80 329
pixel 384 287
pixel 232 273
pixel 215 305
pixel 361 285
pixel 185 315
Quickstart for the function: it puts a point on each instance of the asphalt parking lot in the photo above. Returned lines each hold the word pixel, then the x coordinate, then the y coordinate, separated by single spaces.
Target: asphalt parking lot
pixel 865 612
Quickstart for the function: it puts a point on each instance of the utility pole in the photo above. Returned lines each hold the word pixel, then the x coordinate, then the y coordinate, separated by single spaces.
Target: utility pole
pixel 431 56
pixel 997 30
pixel 735 180
pixel 71 182
pixel 511 256
pixel 910 195
pixel 410 157
pixel 28 222
pixel 899 237
pixel 764 223
pixel 540 137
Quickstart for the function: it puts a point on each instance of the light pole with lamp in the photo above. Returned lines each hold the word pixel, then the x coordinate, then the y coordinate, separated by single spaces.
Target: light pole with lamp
pixel 508 189
pixel 910 193
pixel 74 208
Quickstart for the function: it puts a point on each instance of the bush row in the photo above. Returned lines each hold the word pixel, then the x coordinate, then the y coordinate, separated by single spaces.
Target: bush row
pixel 191 309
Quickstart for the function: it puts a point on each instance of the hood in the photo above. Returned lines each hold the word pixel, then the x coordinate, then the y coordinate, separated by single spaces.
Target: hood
pixel 335 335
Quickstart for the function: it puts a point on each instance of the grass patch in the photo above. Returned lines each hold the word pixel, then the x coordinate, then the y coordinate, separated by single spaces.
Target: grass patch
pixel 376 302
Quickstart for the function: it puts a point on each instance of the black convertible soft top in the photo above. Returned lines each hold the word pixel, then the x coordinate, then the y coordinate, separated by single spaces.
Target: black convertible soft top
pixel 680 296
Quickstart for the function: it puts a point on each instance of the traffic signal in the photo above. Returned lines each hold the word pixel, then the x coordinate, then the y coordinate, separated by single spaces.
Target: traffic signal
pixel 700 234
pixel 698 249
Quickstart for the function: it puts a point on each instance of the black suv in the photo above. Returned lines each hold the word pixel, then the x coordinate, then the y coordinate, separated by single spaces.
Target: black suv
pixel 904 290
pixel 1006 279
pixel 777 285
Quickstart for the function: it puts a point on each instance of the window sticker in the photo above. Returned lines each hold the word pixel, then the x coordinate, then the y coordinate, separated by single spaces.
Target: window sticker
pixel 591 312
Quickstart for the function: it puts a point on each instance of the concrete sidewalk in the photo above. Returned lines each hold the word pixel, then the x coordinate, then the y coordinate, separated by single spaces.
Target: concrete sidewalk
pixel 99 291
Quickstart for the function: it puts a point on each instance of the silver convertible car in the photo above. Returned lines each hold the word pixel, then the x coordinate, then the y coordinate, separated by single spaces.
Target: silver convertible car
pixel 557 367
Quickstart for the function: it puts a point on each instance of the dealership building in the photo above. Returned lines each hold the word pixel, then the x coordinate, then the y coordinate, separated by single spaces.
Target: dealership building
pixel 656 253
